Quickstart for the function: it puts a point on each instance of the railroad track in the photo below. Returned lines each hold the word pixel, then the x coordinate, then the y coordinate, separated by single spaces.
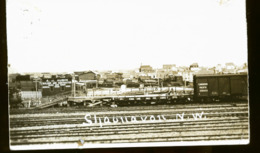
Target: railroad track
pixel 192 122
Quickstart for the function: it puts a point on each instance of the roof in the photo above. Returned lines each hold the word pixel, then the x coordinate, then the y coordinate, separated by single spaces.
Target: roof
pixel 230 64
pixel 195 64
pixel 84 72
pixel 146 66
pixel 218 75
pixel 169 65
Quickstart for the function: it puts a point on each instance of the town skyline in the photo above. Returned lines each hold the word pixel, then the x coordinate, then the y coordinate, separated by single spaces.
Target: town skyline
pixel 13 70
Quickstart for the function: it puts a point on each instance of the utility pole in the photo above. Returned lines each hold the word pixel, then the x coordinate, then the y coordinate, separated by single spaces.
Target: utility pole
pixel 73 85
pixel 184 84
pixel 36 80
pixel 158 78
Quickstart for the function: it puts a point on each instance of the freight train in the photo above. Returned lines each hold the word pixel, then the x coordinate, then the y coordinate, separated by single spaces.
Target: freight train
pixel 207 88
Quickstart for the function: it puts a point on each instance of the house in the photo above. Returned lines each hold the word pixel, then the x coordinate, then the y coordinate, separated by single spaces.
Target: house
pixel 89 78
pixel 89 75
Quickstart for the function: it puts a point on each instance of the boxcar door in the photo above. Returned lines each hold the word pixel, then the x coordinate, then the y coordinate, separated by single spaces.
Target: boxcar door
pixel 238 85
pixel 224 86
pixel 213 86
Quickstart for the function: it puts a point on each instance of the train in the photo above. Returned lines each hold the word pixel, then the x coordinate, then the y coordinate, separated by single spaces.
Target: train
pixel 206 88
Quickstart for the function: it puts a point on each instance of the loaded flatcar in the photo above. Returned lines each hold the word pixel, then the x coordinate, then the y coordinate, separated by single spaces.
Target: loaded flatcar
pixel 229 87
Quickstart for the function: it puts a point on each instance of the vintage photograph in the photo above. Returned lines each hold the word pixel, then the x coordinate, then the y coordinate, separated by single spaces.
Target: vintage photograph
pixel 127 73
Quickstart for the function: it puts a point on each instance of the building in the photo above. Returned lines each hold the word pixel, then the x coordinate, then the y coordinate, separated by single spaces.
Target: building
pixel 230 66
pixel 88 79
pixel 46 75
pixel 194 67
pixel 187 75
pixel 205 71
pixel 28 87
pixel 145 77
pixel 25 83
pixel 89 75
pixel 218 69
pixel 161 73
pixel 146 69
pixel 56 85
pixel 168 66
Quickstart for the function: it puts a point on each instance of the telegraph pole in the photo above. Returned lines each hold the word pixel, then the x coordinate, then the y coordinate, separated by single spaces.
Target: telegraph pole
pixel 73 85
pixel 36 80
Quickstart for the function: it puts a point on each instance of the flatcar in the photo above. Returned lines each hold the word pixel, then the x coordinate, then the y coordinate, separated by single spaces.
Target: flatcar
pixel 220 87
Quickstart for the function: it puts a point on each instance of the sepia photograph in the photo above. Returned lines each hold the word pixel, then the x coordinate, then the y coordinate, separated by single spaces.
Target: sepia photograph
pixel 127 73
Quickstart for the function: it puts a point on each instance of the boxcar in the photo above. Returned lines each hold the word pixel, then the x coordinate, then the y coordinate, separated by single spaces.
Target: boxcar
pixel 228 87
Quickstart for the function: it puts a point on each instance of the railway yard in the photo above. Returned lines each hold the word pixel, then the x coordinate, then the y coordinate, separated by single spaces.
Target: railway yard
pixel 80 126
pixel 213 112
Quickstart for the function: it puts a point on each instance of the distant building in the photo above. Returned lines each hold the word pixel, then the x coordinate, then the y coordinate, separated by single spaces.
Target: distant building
pixel 218 69
pixel 87 79
pixel 230 66
pixel 194 67
pixel 115 76
pixel 46 75
pixel 229 71
pixel 25 83
pixel 145 77
pixel 205 71
pixel 112 79
pixel 129 75
pixel 168 66
pixel 89 75
pixel 243 71
pixel 56 85
pixel 245 66
pixel 161 73
pixel 186 75
pixel 146 68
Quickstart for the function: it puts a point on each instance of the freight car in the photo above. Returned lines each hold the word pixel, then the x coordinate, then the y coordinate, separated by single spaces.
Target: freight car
pixel 220 87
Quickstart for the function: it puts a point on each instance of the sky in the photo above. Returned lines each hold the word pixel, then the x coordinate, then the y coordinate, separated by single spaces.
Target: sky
pixel 73 35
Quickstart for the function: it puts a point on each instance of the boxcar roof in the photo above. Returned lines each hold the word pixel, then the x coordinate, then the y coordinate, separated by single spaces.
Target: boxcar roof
pixel 218 75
